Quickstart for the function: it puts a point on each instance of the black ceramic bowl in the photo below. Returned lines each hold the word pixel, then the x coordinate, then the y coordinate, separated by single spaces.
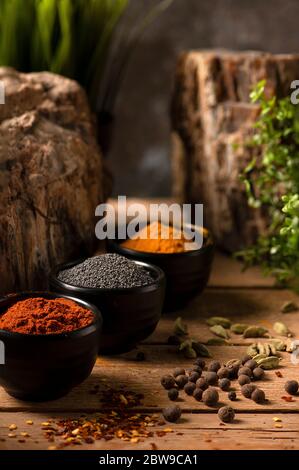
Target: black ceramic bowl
pixel 46 367
pixel 186 273
pixel 130 315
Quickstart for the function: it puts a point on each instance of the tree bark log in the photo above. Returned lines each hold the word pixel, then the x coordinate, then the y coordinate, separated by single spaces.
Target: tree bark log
pixel 212 119
pixel 50 177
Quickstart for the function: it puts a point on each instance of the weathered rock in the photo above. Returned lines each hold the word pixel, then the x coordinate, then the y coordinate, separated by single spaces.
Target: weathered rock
pixel 50 177
pixel 212 120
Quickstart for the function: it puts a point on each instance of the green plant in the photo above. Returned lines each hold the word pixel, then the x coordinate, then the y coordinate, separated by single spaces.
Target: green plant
pixel 272 183
pixel 80 39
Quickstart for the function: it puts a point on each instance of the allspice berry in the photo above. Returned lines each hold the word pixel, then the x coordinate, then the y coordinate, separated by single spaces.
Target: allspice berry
pixel 291 387
pixel 168 382
pixel 245 371
pixel 233 371
pixel 251 364
pixel 193 377
pixel 214 366
pixel 181 380
pixel 212 378
pixel 246 358
pixel 200 362
pixel 258 395
pixel 172 413
pixel 232 396
pixel 258 373
pixel 179 371
pixel 198 394
pixel 223 373
pixel 243 379
pixel 224 384
pixel 197 369
pixel 210 396
pixel 247 390
pixel 226 414
pixel 202 383
pixel 173 394
pixel 189 388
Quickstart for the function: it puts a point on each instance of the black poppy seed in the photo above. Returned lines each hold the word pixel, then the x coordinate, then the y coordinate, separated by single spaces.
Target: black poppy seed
pixel 168 382
pixel 107 271
pixel 173 394
pixel 224 384
pixel 193 377
pixel 181 380
pixel 189 388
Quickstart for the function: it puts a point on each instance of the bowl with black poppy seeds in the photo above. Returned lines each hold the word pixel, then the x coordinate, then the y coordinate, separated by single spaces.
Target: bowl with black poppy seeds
pixel 187 270
pixel 129 294
pixel 50 344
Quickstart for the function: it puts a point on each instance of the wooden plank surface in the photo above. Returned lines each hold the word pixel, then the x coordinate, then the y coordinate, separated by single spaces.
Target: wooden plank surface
pixel 253 302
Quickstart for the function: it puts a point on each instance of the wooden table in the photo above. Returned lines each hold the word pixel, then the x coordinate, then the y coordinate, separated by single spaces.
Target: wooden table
pixel 241 296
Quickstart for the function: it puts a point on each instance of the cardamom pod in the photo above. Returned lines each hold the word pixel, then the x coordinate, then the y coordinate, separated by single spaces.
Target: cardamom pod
pixel 289 307
pixel 219 330
pixel 180 328
pixel 200 349
pixel 258 357
pixel 216 342
pixel 281 329
pixel 279 344
pixel 270 362
pixel 252 350
pixel 255 332
pixel 224 322
pixel 238 328
pixel 187 349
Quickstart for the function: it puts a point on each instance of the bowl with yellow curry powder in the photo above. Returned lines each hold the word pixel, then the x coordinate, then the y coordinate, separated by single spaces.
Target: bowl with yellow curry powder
pixel 187 270
pixel 50 344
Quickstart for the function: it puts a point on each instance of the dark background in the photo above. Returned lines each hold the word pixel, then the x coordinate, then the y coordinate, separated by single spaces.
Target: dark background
pixel 140 154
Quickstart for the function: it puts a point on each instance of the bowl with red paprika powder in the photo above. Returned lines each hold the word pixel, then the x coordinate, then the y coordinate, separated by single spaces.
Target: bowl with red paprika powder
pixel 129 294
pixel 51 343
pixel 187 271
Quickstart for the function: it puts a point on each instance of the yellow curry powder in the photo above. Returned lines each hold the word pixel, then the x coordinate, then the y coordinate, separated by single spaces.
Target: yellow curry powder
pixel 158 243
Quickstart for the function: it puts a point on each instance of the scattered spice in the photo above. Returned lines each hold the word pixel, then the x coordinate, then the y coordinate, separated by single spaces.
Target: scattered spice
pixel 287 398
pixel 255 332
pixel 251 364
pixel 258 373
pixel 172 413
pixel 222 321
pixel 181 381
pixel 243 380
pixel 223 373
pixel 218 330
pixel 278 374
pixel 291 387
pixel 197 394
pixel 197 369
pixel 226 414
pixel 189 388
pixel 245 358
pixel 37 316
pixel 247 390
pixel 202 383
pixel 200 362
pixel 178 371
pixel 214 366
pixel 212 378
pixel 281 329
pixel 245 371
pixel 277 420
pixel 180 328
pixel 288 307
pixel 238 328
pixel 12 427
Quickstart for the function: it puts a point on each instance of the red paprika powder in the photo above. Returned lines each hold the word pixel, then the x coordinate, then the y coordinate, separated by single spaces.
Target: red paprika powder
pixel 40 316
